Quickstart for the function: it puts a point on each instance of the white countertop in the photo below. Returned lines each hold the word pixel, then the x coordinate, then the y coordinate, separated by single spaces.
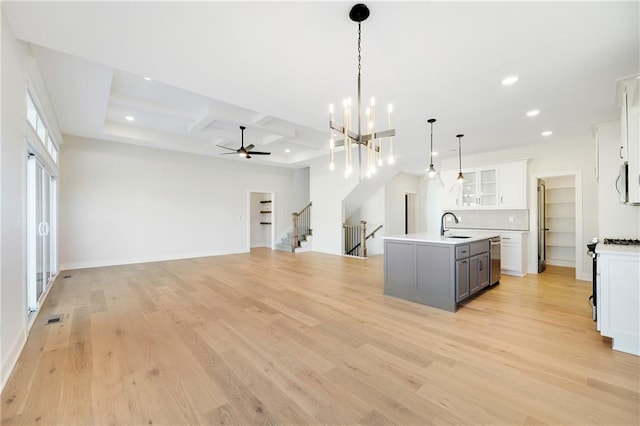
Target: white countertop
pixel 618 249
pixel 447 239
pixel 468 231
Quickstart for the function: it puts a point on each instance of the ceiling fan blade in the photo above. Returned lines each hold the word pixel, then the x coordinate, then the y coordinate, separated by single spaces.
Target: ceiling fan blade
pixel 230 149
pixel 229 153
pixel 260 153
pixel 250 147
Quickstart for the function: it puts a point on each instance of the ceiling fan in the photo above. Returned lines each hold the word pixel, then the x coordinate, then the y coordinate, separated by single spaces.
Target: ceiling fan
pixel 243 151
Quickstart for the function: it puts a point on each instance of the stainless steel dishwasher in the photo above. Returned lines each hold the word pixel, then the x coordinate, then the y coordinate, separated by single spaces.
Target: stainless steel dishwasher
pixel 495 261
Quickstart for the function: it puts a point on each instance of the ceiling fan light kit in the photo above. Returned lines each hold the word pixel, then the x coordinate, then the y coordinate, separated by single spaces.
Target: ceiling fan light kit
pixel 372 141
pixel 243 151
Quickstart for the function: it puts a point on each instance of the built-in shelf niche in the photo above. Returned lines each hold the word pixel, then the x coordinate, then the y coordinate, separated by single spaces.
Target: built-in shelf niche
pixel 265 211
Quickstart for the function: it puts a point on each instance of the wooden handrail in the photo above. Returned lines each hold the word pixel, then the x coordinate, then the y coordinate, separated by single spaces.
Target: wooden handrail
pixel 301 222
pixel 371 235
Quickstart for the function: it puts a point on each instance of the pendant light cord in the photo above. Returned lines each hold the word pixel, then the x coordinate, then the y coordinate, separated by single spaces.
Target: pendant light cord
pixel 359 102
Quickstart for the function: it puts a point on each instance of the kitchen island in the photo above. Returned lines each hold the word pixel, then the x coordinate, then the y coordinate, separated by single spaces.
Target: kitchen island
pixel 434 270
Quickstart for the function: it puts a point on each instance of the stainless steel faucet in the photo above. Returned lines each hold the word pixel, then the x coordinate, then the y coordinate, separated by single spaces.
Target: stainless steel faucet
pixel 442 222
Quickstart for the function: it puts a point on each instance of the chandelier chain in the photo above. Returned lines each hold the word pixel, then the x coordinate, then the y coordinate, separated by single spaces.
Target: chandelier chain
pixel 359 48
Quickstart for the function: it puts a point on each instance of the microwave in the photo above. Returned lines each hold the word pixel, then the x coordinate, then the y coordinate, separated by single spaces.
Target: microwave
pixel 622 185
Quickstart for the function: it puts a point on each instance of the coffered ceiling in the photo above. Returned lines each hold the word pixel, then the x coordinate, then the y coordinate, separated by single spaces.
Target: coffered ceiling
pixel 275 66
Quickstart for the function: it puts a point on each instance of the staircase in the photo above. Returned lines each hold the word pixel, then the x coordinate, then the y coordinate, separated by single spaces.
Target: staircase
pixel 298 237
pixel 355 239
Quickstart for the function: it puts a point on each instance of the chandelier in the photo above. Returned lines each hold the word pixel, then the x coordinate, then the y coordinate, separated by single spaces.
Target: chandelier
pixel 371 140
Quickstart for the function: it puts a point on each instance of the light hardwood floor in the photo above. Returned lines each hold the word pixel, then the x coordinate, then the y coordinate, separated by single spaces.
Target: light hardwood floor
pixel 272 337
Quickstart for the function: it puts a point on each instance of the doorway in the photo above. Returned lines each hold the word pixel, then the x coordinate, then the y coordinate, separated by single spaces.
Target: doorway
pixel 261 218
pixel 556 222
pixel 410 212
pixel 41 232
pixel 542 227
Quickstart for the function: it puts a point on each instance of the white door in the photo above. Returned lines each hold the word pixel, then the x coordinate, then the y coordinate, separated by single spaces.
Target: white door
pixel 41 245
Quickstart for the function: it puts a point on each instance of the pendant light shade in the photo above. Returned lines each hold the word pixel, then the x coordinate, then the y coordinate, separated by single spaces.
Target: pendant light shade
pixel 460 175
pixel 431 171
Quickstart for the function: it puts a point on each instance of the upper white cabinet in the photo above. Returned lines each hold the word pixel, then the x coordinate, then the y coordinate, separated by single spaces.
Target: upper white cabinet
pixel 480 188
pixel 513 185
pixel 628 96
pixel 500 186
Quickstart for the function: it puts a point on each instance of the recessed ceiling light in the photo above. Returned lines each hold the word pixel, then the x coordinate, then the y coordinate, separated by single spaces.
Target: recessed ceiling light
pixel 434 153
pixel 507 81
pixel 546 133
pixel 130 118
pixel 287 150
pixel 146 78
pixel 533 113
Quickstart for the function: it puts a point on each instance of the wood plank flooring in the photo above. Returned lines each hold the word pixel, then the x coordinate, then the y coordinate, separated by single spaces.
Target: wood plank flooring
pixel 277 338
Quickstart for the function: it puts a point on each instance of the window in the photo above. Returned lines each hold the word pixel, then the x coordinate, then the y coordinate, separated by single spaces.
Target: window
pixel 37 123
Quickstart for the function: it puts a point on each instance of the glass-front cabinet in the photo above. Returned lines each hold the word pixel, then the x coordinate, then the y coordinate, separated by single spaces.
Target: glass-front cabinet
pixel 500 186
pixel 480 188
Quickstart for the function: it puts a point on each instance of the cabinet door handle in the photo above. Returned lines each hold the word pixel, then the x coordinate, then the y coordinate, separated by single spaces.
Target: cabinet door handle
pixel 620 153
pixel 501 200
pixel 506 238
pixel 480 265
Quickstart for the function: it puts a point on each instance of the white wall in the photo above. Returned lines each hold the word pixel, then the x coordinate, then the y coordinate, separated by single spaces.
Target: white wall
pixel 394 201
pixel 123 204
pixel 327 190
pixel 615 220
pixel 300 189
pixel 13 157
pixel 553 158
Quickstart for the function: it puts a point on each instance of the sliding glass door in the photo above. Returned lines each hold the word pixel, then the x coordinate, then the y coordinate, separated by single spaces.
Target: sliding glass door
pixel 41 240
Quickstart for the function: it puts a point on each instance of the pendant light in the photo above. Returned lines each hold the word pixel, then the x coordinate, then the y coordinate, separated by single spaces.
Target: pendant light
pixel 431 172
pixel 460 176
pixel 367 137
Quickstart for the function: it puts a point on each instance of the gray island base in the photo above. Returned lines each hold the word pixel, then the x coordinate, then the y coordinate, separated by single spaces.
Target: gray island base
pixel 438 271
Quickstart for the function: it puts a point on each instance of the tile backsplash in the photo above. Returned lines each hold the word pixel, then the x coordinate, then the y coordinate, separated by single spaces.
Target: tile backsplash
pixel 512 220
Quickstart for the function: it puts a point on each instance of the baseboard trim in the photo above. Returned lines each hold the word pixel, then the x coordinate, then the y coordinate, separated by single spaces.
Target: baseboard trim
pixel 120 262
pixel 9 363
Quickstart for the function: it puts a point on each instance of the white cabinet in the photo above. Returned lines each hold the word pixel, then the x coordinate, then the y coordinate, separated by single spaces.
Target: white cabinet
pixel 513 253
pixel 480 188
pixel 619 297
pixel 502 186
pixel 513 185
pixel 628 94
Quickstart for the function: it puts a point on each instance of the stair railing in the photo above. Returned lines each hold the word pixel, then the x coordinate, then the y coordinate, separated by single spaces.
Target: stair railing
pixel 301 226
pixel 355 238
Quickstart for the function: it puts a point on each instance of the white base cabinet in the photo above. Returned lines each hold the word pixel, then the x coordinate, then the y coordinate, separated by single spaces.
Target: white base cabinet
pixel 618 305
pixel 513 253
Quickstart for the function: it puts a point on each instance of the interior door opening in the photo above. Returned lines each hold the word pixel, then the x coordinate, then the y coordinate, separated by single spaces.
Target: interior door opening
pixel 542 227
pixel 410 212
pixel 261 212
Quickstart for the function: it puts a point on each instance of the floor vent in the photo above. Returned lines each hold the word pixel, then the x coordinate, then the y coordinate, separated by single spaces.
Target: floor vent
pixel 67 276
pixel 54 319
